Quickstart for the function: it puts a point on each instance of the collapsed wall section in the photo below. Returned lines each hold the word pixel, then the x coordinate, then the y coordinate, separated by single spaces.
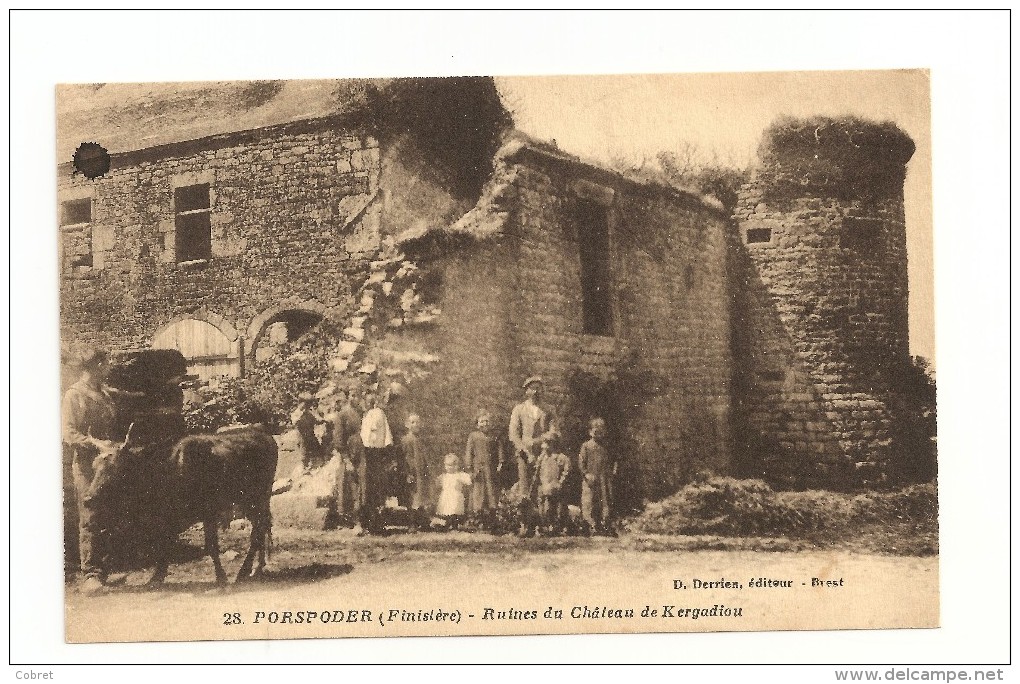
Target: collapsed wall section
pixel 469 344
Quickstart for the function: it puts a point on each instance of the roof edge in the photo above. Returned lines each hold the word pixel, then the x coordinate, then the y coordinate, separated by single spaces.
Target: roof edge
pixel 522 146
pixel 223 140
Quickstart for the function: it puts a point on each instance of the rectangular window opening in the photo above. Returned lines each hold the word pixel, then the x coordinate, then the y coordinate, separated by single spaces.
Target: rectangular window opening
pixel 193 237
pixel 191 197
pixel 593 240
pixel 82 259
pixel 78 243
pixel 76 211
pixel 192 223
pixel 759 235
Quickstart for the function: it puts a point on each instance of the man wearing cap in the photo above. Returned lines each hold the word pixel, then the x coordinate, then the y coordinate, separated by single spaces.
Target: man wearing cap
pixel 529 425
pixel 87 419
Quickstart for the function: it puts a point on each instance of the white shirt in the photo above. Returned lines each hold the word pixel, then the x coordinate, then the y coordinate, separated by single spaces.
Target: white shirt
pixel 451 496
pixel 375 430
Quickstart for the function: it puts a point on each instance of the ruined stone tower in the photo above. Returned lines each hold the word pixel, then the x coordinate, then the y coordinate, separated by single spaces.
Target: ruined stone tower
pixel 821 301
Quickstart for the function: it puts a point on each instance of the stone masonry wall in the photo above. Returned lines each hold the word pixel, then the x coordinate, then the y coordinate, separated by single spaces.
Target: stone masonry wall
pixel 764 346
pixel 511 307
pixel 669 299
pixel 477 366
pixel 293 216
pixel 820 320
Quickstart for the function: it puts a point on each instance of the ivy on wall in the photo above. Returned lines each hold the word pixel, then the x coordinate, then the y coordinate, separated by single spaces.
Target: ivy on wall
pixel 844 158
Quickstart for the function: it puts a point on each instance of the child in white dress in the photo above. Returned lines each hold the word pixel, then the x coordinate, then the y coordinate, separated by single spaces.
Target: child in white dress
pixel 454 485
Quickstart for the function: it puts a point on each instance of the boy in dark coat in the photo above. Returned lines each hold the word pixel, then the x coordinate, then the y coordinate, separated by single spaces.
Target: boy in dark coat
pixel 305 418
pixel 483 456
pixel 345 421
pixel 417 469
pixel 597 470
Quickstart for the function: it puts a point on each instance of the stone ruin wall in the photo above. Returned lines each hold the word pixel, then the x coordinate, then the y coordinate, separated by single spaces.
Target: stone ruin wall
pixel 668 257
pixel 773 350
pixel 511 307
pixel 470 341
pixel 820 319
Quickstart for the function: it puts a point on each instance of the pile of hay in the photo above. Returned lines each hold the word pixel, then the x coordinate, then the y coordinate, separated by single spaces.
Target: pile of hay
pixel 727 506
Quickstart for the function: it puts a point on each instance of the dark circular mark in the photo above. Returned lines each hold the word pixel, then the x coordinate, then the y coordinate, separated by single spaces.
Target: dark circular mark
pixel 91 160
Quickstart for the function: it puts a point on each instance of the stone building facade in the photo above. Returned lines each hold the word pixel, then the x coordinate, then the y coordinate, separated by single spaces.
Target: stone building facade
pixel 694 330
pixel 237 232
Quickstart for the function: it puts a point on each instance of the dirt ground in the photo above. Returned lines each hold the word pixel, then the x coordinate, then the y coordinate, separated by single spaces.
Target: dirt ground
pixel 473 583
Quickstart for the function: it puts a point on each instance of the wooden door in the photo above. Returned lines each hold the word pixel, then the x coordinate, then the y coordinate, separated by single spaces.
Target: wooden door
pixel 210 354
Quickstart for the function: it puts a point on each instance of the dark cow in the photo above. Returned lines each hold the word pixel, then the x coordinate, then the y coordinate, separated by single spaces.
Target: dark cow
pixel 209 474
pixel 161 482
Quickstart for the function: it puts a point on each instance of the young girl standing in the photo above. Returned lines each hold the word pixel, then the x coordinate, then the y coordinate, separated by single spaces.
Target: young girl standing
pixel 453 484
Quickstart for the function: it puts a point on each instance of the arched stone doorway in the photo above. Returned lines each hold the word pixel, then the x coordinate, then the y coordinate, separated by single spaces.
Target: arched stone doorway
pixel 280 324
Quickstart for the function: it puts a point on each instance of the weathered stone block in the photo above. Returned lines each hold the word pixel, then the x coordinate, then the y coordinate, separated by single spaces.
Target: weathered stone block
pixel 306 511
pixel 103 238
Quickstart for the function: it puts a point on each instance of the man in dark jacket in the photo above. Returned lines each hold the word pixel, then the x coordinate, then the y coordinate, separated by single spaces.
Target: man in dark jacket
pixel 87 417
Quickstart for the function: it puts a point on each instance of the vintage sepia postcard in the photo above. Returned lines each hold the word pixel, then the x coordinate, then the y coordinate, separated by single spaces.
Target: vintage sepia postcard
pixel 497 356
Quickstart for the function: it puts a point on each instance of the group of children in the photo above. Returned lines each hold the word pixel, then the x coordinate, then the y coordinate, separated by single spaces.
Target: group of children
pixel 469 491
pixel 373 470
pixel 553 477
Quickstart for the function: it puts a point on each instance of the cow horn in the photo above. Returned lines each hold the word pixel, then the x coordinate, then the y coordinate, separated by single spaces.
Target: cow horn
pixel 127 437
